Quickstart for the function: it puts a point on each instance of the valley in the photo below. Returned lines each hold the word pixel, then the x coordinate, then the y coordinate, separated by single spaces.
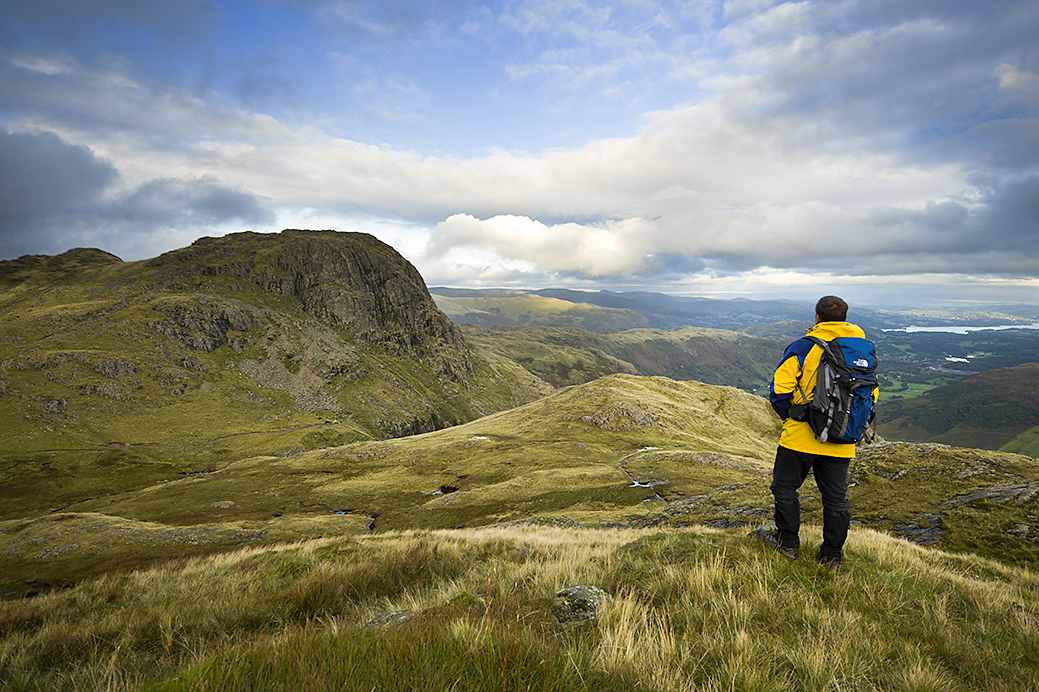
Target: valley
pixel 914 363
pixel 228 390
pixel 222 464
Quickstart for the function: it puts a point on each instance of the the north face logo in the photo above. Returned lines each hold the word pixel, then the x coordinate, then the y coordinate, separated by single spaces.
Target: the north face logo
pixel 862 363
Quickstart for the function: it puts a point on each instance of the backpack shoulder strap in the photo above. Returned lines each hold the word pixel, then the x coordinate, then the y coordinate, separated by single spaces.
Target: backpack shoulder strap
pixel 826 347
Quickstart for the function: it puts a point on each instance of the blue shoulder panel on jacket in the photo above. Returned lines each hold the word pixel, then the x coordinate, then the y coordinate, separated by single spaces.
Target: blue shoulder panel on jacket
pixel 799 348
pixel 781 401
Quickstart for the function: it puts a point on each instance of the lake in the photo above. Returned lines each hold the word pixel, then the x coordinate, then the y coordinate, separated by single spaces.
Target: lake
pixel 962 330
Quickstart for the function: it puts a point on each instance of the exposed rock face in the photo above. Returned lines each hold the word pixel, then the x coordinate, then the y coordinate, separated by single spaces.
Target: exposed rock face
pixel 203 327
pixel 350 281
pixel 1019 492
pixel 339 322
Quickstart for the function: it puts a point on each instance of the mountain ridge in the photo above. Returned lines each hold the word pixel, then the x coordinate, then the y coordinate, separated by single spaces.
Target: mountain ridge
pixel 244 333
pixel 210 482
pixel 177 390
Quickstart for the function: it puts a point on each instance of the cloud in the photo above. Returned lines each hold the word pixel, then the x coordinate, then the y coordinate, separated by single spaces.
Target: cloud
pixel 696 182
pixel 661 140
pixel 1020 87
pixel 596 250
pixel 42 174
pixel 175 202
pixel 63 193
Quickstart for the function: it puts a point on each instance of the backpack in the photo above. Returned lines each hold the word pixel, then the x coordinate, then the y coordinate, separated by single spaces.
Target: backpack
pixel 841 408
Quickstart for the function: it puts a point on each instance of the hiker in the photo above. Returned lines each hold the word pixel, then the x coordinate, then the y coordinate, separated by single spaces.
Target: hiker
pixel 800 448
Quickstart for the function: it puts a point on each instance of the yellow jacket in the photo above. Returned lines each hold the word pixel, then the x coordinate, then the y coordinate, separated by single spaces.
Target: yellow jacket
pixel 798 366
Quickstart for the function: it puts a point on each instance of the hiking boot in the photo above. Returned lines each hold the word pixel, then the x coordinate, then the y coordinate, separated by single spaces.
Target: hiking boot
pixel 771 539
pixel 828 561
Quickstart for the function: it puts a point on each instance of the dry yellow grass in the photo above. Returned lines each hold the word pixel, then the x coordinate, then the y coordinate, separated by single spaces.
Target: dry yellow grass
pixel 698 609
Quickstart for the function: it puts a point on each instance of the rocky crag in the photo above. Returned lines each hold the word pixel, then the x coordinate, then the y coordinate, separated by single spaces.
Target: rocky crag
pixel 296 339
pixel 351 282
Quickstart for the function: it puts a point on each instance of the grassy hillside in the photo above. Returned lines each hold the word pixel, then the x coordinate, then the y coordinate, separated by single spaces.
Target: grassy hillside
pixel 231 470
pixel 986 410
pixel 693 609
pixel 622 451
pixel 521 308
pixel 433 561
pixel 576 454
pixel 564 356
pixel 1025 443
pixel 561 356
pixel 911 364
pixel 234 347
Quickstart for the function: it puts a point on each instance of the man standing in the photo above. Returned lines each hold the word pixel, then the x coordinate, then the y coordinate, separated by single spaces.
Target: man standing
pixel 800 451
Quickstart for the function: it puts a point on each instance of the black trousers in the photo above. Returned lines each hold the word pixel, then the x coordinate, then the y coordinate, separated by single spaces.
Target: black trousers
pixel 831 475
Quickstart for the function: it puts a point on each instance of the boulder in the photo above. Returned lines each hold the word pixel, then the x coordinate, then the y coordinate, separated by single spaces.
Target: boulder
pixel 578 605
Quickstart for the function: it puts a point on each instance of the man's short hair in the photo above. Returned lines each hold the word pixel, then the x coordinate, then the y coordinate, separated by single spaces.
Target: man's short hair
pixel 831 309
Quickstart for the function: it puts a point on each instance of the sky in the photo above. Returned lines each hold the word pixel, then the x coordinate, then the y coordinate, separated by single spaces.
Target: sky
pixel 883 150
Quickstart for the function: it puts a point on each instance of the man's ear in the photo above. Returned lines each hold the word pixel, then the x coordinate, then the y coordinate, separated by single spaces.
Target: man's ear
pixel 817 319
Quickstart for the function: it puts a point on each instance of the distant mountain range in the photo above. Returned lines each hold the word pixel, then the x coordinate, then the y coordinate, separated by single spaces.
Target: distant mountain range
pixel 608 311
pixel 570 337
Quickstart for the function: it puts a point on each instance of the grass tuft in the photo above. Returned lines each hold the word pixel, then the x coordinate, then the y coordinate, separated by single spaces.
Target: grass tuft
pixel 472 609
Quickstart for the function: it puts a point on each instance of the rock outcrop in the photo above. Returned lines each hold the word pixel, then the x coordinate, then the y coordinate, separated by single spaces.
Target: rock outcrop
pixel 577 605
pixel 209 340
pixel 350 281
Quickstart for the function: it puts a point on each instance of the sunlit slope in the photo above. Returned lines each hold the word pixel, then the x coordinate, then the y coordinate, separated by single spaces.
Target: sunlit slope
pixel 605 453
pixel 1024 443
pixel 564 356
pixel 987 410
pixel 490 308
pixel 565 454
pixel 622 451
pixel 474 609
pixel 236 346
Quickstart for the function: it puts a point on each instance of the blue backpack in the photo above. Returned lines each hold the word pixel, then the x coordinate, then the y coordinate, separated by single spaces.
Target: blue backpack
pixel 840 408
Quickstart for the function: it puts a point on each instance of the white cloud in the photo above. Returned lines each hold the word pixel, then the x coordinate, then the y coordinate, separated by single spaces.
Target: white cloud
pixel 48 65
pixel 850 138
pixel 612 247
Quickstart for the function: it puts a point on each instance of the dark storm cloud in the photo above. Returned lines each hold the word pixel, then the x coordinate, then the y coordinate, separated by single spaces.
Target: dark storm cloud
pixel 52 193
pixel 670 265
pixel 912 76
pixel 1013 208
pixel 997 234
pixel 40 174
pixel 175 202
